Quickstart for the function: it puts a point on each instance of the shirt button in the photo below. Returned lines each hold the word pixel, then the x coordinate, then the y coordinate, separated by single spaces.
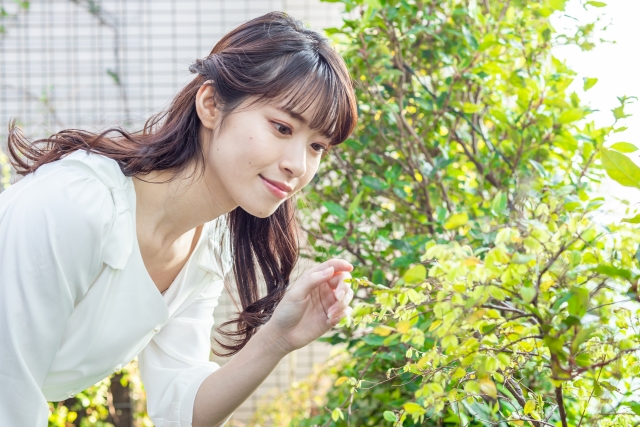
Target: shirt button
pixel 117 368
pixel 156 329
pixel 71 394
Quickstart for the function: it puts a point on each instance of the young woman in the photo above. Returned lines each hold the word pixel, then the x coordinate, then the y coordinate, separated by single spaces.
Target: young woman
pixel 116 247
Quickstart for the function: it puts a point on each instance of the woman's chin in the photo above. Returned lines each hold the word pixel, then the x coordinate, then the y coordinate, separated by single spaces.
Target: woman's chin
pixel 261 211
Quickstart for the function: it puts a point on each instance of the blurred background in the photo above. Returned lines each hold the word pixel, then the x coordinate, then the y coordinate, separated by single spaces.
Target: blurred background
pixel 95 64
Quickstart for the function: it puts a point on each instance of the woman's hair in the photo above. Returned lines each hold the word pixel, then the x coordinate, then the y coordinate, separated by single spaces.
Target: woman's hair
pixel 272 58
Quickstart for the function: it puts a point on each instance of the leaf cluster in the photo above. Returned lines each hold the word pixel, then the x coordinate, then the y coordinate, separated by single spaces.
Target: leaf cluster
pixel 487 292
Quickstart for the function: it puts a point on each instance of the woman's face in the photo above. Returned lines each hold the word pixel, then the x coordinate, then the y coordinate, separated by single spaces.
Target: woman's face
pixel 260 157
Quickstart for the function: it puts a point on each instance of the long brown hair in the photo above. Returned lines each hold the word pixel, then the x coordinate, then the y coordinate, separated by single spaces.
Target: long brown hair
pixel 270 58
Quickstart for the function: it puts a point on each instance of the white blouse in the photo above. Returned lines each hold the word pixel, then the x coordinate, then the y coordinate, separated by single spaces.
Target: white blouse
pixel 77 303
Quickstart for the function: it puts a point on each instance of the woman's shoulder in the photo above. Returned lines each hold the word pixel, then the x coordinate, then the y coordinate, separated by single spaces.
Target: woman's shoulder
pixel 94 172
pixel 80 195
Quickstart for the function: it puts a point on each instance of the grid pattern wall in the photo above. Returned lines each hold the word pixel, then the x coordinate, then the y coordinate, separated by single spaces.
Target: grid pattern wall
pixel 94 64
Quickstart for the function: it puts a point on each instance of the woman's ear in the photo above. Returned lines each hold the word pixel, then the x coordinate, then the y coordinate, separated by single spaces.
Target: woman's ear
pixel 205 106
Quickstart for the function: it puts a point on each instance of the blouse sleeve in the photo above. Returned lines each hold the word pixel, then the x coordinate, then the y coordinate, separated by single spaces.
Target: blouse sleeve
pixel 176 362
pixel 52 229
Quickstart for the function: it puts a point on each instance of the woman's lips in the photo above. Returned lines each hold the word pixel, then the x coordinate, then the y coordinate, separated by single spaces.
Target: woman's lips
pixel 276 191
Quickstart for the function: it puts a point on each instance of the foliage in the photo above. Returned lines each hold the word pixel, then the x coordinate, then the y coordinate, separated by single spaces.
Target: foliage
pixel 5 172
pixel 11 14
pixel 488 294
pixel 94 406
pixel 303 399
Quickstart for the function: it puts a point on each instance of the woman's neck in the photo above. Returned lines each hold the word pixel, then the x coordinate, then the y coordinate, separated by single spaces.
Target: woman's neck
pixel 165 211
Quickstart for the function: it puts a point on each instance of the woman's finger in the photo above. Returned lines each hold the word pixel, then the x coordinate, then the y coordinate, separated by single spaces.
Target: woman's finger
pixel 340 305
pixel 337 263
pixel 335 319
pixel 309 281
pixel 343 293
pixel 338 278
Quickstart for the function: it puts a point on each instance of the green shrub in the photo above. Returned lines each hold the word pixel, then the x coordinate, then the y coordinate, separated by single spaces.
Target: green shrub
pixel 488 294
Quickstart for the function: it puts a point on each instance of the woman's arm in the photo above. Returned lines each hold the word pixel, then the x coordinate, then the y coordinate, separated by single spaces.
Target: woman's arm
pixel 53 227
pixel 300 318
pixel 228 387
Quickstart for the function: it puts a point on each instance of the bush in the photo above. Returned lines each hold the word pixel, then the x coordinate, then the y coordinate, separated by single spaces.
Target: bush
pixel 488 294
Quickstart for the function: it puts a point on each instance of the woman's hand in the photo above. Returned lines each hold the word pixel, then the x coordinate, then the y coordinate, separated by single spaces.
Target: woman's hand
pixel 314 304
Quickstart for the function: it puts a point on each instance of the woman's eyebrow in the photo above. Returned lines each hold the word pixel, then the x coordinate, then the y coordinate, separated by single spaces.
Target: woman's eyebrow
pixel 293 114
pixel 298 116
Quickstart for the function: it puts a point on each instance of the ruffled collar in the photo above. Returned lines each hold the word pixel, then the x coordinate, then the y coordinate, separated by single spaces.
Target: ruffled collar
pixel 214 256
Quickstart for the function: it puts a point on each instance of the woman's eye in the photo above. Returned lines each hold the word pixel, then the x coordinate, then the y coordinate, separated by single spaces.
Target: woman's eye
pixel 319 148
pixel 285 130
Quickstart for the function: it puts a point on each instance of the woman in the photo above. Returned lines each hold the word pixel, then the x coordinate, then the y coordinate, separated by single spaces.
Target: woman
pixel 116 247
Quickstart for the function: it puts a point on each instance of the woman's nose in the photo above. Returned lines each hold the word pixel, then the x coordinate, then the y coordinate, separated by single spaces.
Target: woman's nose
pixel 294 159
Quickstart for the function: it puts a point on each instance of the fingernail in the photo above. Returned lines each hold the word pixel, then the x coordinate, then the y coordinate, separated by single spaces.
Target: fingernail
pixel 327 271
pixel 339 294
pixel 330 313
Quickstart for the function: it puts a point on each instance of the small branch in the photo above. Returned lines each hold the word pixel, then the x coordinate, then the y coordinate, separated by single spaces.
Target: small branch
pixel 561 409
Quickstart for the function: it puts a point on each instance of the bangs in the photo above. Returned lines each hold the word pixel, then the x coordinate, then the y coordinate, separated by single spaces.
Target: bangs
pixel 310 82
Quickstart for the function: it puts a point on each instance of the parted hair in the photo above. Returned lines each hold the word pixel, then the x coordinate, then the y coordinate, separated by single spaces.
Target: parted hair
pixel 272 58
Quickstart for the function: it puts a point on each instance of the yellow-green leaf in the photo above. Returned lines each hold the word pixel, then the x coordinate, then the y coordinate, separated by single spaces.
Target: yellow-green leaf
pixel 341 380
pixel 415 274
pixel 413 408
pixel 456 220
pixel 403 326
pixel 390 416
pixel 458 373
pixel 435 324
pixel 589 82
pixel 488 387
pixel 529 407
pixel 634 220
pixel 620 168
pixel 570 115
pixel 624 147
pixel 382 330
pixel 337 414
pixel 470 108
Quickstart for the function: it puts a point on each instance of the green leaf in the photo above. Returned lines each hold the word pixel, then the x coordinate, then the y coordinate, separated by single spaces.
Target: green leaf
pixel 589 82
pixel 416 274
pixel 583 360
pixel 390 416
pixel 634 220
pixel 624 147
pixel 413 408
pixel 597 3
pixel 456 220
pixel 499 203
pixel 620 168
pixel 335 210
pixel 570 115
pixel 612 271
pixel 554 344
pixel 528 293
pixel 579 301
pixel 539 168
pixel 522 258
pixel 337 414
pixel 469 108
pixel 473 43
pixel 529 407
pixel 582 336
pixel 634 406
pixel 374 183
pixel 354 204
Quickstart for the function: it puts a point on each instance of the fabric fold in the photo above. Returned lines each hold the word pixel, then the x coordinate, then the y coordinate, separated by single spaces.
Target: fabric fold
pixel 119 244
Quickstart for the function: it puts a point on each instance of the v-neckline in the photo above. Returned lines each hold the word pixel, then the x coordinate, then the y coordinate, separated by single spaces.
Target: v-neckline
pixel 136 244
